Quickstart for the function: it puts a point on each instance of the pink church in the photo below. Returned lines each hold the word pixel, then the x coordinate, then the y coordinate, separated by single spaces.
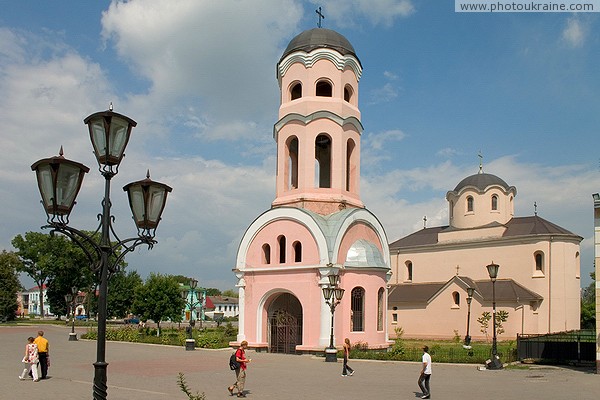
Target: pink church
pixel 317 225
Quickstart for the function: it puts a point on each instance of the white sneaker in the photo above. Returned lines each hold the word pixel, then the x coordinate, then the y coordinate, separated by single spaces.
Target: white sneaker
pixel 351 373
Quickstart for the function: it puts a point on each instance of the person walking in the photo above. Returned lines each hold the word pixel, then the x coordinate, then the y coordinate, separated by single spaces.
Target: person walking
pixel 425 374
pixel 31 360
pixel 44 353
pixel 346 368
pixel 240 372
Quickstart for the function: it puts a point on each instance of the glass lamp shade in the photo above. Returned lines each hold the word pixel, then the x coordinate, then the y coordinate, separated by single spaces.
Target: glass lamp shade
pixel 194 283
pixel 470 292
pixel 339 293
pixel 147 200
pixel 334 279
pixel 109 133
pixel 59 181
pixel 69 297
pixel 184 294
pixel 493 270
pixel 327 293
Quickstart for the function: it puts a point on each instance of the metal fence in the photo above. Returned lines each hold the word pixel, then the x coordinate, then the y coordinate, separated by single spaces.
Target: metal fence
pixel 560 348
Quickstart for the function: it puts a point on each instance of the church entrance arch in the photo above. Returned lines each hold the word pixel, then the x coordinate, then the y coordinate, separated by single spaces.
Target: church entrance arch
pixel 285 324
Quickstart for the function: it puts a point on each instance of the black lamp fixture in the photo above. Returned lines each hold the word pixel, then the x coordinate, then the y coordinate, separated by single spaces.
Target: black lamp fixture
pixel 70 300
pixel 59 181
pixel 470 292
pixel 494 362
pixel 333 295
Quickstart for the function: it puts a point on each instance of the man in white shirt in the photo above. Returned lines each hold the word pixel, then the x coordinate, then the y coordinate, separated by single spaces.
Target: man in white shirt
pixel 425 374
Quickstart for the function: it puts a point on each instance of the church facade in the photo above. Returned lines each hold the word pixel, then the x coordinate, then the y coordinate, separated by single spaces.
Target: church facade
pixel 538 282
pixel 317 226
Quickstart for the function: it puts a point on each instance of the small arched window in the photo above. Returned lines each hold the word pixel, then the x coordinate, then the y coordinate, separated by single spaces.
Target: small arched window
pixel 539 261
pixel 348 93
pixel 292 161
pixel 380 308
pixel 451 209
pixel 409 270
pixel 470 205
pixel 456 299
pixel 357 307
pixel 266 253
pixel 297 251
pixel 494 203
pixel 281 242
pixel 323 161
pixel 324 89
pixel 296 91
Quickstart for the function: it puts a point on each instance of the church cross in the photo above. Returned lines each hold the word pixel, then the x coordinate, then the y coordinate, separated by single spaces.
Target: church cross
pixel 424 221
pixel 457 269
pixel 535 207
pixel 480 162
pixel 321 16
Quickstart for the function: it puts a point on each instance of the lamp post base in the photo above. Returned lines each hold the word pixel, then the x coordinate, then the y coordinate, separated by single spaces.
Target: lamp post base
pixel 330 354
pixel 72 336
pixel 190 344
pixel 494 363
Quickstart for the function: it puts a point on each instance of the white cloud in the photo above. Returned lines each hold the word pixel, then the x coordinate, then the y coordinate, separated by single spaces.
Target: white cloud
pixel 377 12
pixel 575 32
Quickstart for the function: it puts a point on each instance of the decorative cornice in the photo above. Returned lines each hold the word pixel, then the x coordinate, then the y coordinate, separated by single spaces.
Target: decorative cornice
pixel 309 59
pixel 306 119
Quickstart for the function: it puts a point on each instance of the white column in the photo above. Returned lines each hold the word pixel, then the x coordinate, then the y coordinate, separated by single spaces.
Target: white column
pixel 241 302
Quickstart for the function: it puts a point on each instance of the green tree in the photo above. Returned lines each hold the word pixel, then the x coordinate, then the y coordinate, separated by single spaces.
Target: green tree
pixel 120 299
pixel 213 292
pixel 158 299
pixel 41 255
pixel 9 284
pixel 486 317
pixel 230 293
pixel 588 304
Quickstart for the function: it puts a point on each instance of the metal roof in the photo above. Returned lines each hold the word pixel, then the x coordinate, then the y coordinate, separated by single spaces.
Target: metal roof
pixel 316 38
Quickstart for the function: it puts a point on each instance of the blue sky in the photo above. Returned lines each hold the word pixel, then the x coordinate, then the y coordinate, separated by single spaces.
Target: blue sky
pixel 438 87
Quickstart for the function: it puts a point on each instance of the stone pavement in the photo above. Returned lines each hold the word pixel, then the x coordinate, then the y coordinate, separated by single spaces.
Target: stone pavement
pixel 149 372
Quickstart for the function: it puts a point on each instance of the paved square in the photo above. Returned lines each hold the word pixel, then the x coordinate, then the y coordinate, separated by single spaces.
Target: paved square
pixel 149 372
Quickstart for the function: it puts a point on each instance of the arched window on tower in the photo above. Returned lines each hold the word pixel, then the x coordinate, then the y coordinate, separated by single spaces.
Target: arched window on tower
pixel 324 89
pixel 494 202
pixel 358 307
pixel 455 299
pixel 292 163
pixel 348 92
pixel 409 270
pixel 297 246
pixel 380 308
pixel 296 91
pixel 470 206
pixel 350 166
pixel 266 253
pixel 323 161
pixel 281 242
pixel 539 262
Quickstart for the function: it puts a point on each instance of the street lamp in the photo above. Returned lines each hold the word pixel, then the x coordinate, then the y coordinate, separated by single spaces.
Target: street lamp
pixel 192 301
pixel 59 181
pixel 494 363
pixel 333 296
pixel 70 299
pixel 470 292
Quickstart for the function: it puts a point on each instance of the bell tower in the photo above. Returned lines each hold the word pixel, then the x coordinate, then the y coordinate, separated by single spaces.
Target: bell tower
pixel 319 128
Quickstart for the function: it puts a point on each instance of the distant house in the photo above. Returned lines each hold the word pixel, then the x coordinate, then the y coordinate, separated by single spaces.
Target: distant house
pixel 229 306
pixel 30 302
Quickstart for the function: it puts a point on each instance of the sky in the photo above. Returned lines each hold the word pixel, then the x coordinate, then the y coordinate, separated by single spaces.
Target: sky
pixel 438 89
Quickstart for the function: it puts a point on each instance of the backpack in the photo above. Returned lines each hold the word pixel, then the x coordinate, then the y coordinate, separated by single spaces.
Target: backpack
pixel 233 364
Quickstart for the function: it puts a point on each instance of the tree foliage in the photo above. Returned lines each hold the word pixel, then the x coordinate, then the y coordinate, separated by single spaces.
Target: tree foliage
pixel 486 317
pixel 159 299
pixel 230 293
pixel 9 284
pixel 588 304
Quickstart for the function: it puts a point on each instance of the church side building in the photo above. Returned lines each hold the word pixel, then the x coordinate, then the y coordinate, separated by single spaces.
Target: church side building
pixel 538 281
pixel 317 225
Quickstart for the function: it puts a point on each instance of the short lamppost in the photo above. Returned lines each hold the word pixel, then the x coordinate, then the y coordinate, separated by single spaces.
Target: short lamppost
pixel 70 299
pixel 59 181
pixel 494 363
pixel 470 292
pixel 192 301
pixel 333 296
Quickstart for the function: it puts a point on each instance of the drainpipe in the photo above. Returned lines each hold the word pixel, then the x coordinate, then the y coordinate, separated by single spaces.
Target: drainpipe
pixel 550 284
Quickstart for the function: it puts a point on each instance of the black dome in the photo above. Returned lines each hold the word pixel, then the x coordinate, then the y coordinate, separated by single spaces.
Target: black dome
pixel 481 181
pixel 319 38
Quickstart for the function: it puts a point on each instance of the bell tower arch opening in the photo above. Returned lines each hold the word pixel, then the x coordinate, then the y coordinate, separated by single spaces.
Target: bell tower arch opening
pixel 323 161
pixel 285 324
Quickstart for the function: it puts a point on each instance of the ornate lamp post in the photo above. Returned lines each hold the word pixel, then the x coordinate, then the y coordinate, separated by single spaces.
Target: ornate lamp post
pixel 192 301
pixel 59 181
pixel 495 361
pixel 70 299
pixel 333 296
pixel 470 292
